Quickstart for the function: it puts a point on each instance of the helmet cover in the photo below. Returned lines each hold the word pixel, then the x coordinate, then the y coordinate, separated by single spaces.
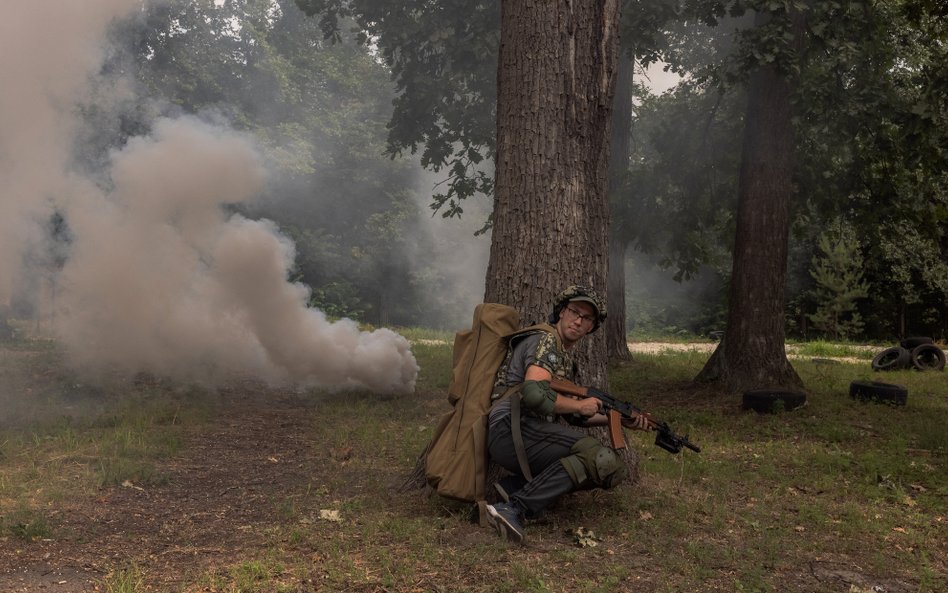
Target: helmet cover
pixel 576 293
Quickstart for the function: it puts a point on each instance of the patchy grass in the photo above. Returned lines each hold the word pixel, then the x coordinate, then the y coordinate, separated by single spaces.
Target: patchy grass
pixel 128 579
pixel 671 335
pixel 824 349
pixel 837 496
pixel 62 438
pixel 423 335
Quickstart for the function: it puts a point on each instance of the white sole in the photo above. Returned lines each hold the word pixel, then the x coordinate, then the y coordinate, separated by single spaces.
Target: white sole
pixel 506 530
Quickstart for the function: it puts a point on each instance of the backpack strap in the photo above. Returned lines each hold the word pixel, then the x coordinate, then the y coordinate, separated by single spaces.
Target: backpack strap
pixel 517 435
pixel 513 394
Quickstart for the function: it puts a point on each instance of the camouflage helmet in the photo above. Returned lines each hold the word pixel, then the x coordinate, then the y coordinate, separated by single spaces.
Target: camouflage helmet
pixel 579 293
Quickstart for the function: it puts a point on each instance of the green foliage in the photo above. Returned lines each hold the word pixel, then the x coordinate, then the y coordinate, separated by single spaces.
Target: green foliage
pixel 419 77
pixel 443 61
pixel 872 141
pixel 703 130
pixel 871 144
pixel 659 307
pixel 838 273
pixel 319 113
pixel 337 300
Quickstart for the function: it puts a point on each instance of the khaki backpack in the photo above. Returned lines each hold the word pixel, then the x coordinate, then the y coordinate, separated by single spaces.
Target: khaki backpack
pixel 456 458
pixel 455 461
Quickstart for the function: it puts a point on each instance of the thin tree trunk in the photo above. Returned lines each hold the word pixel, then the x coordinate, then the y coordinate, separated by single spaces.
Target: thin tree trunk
pixel 555 85
pixel 617 346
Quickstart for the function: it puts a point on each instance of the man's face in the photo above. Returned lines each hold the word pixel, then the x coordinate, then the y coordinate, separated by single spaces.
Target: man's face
pixel 576 320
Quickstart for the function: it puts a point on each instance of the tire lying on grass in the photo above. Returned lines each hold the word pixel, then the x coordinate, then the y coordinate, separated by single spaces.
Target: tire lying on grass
pixel 892 359
pixel 912 343
pixel 877 391
pixel 766 401
pixel 928 357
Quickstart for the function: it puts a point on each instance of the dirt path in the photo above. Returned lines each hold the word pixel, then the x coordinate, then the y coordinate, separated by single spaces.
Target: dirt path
pixel 222 496
pixel 708 347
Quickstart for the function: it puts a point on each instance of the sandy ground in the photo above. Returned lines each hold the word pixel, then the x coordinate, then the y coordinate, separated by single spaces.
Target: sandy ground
pixel 659 347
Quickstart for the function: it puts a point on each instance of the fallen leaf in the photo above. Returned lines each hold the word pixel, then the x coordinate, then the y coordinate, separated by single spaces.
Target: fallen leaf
pixel 273 460
pixel 341 454
pixel 128 484
pixel 899 529
pixel 799 528
pixel 330 515
pixel 645 516
pixel 584 538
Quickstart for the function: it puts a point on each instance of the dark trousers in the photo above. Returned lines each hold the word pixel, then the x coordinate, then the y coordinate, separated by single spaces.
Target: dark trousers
pixel 545 444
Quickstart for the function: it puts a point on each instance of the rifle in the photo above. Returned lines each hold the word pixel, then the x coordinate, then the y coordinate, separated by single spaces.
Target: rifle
pixel 616 410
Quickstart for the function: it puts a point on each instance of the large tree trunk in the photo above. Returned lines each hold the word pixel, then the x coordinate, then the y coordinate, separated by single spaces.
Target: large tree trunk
pixel 555 83
pixel 752 354
pixel 617 346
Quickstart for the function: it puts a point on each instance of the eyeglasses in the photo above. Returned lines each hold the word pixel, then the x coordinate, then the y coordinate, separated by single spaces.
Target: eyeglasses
pixel 581 316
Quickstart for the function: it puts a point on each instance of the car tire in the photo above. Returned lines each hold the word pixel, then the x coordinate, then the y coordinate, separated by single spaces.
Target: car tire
pixel 912 343
pixel 928 357
pixel 892 359
pixel 765 401
pixel 879 392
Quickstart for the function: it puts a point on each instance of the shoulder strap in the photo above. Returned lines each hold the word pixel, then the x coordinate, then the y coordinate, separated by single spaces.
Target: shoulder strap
pixel 517 436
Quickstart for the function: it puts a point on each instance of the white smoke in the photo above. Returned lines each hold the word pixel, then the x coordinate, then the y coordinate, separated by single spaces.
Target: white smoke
pixel 159 277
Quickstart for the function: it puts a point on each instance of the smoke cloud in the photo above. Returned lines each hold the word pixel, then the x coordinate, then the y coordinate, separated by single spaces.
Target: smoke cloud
pixel 159 276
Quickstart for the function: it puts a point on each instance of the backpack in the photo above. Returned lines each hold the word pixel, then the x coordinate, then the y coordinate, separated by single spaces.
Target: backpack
pixel 456 458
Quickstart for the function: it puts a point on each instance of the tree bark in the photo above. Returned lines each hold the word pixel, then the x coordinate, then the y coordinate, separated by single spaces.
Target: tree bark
pixel 617 345
pixel 753 352
pixel 555 84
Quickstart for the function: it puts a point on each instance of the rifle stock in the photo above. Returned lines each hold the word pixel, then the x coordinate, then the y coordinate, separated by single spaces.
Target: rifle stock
pixel 616 410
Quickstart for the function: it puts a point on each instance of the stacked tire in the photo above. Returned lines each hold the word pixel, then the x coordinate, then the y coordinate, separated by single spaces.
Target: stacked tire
pixel 918 353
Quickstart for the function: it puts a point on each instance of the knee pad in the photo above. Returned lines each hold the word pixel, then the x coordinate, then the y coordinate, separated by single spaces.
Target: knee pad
pixel 593 465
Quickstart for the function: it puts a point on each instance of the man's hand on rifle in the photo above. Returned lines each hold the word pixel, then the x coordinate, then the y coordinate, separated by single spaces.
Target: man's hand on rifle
pixel 588 407
pixel 640 422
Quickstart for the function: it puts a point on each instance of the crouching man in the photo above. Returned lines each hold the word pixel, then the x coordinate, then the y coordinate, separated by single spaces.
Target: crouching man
pixel 553 459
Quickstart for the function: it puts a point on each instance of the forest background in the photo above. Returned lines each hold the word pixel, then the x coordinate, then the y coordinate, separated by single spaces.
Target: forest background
pixel 377 124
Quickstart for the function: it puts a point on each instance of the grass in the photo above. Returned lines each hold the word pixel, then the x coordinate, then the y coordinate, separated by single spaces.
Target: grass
pixel 822 348
pixel 774 503
pixel 837 496
pixel 25 523
pixel 60 438
pixel 128 579
pixel 416 334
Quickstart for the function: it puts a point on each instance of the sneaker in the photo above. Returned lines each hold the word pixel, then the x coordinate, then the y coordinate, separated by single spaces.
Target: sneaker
pixel 507 520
